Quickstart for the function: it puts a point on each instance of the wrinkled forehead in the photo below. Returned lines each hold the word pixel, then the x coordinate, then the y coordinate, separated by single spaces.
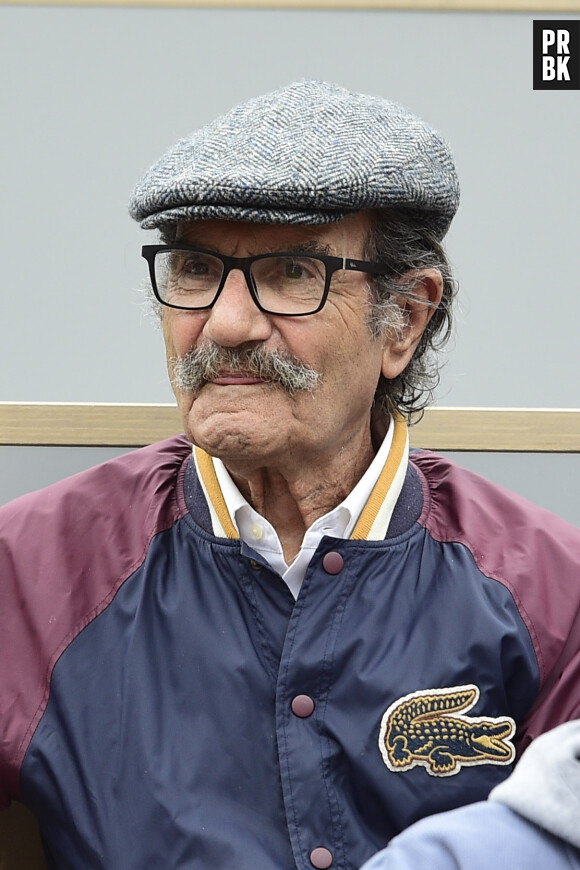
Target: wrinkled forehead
pixel 347 237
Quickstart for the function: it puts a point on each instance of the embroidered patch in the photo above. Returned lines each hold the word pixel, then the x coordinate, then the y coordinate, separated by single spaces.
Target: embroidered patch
pixel 427 728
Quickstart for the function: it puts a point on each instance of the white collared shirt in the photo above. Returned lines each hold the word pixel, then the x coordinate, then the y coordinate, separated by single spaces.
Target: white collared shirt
pixel 375 496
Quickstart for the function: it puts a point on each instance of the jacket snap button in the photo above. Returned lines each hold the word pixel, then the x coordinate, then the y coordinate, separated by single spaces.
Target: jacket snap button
pixel 302 706
pixel 333 563
pixel 255 565
pixel 321 858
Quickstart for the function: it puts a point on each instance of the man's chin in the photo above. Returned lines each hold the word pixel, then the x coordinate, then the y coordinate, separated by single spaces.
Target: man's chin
pixel 232 418
pixel 238 448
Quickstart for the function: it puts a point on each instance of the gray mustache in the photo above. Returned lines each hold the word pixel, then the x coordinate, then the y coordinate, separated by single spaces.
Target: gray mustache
pixel 204 363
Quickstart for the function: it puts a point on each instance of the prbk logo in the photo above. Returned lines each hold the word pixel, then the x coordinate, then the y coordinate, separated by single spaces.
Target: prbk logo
pixel 557 55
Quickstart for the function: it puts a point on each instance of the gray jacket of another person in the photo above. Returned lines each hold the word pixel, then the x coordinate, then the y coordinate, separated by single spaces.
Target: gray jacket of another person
pixel 530 822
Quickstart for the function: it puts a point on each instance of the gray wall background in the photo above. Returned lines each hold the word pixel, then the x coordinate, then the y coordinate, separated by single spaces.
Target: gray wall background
pixel 90 97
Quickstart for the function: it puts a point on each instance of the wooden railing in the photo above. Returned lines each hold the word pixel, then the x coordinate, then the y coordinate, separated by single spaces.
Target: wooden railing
pixel 533 430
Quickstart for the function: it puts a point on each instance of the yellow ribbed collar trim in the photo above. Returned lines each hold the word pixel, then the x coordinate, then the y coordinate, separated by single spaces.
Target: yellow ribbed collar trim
pixel 216 501
pixel 395 464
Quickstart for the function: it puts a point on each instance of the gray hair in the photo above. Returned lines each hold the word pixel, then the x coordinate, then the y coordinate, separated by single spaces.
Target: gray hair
pixel 401 239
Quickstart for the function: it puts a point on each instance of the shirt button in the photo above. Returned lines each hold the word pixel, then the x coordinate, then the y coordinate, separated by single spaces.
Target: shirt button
pixel 302 706
pixel 333 563
pixel 257 532
pixel 321 858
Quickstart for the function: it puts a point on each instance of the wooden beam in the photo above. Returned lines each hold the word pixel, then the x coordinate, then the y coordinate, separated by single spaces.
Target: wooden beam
pixel 534 430
pixel 425 5
pixel 513 430
pixel 86 424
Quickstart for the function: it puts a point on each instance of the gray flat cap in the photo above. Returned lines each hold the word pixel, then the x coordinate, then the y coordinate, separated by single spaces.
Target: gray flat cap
pixel 309 153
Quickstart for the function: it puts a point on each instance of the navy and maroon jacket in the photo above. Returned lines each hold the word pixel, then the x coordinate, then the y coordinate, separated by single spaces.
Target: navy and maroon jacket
pixel 166 704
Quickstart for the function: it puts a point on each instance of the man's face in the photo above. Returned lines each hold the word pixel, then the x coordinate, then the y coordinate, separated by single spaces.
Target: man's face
pixel 252 423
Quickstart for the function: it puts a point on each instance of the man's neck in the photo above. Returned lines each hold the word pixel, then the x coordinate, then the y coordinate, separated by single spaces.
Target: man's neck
pixel 292 501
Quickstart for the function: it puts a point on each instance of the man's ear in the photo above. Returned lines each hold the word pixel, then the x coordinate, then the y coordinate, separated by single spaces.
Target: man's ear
pixel 419 307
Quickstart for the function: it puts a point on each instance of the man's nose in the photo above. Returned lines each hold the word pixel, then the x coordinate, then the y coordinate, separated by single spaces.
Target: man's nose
pixel 235 318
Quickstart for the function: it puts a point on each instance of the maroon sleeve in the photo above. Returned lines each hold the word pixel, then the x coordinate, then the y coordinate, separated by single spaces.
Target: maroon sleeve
pixel 64 552
pixel 532 552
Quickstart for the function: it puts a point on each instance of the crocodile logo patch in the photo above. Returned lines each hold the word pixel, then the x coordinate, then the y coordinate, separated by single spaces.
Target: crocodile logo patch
pixel 430 728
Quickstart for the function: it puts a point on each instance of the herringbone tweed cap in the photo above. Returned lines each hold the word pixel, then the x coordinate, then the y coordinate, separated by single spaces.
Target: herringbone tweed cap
pixel 309 153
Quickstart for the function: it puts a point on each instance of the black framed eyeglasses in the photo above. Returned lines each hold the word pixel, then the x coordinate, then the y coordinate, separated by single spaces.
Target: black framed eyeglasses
pixel 286 283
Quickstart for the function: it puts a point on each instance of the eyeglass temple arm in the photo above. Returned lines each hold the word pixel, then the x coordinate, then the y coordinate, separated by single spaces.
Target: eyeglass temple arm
pixel 350 265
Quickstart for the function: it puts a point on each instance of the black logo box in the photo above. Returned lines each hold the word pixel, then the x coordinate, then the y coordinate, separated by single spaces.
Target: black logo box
pixel 560 41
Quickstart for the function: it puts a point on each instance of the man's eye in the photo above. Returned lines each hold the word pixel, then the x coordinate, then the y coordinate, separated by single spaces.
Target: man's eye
pixel 195 267
pixel 195 270
pixel 294 270
pixel 301 269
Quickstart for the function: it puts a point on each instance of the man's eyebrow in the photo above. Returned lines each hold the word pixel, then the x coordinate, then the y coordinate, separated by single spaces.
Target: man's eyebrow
pixel 308 247
pixel 312 247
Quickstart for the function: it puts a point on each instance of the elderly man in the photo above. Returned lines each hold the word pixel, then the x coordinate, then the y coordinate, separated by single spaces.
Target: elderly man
pixel 280 648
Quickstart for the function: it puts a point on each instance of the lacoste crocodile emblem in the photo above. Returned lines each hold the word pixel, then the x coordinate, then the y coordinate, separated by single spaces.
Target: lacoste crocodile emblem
pixel 429 728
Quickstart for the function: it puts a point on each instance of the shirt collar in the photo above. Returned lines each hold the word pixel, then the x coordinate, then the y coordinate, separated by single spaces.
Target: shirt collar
pixel 364 514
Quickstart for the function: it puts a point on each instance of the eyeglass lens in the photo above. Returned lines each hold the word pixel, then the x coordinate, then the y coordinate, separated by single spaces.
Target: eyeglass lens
pixel 284 284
